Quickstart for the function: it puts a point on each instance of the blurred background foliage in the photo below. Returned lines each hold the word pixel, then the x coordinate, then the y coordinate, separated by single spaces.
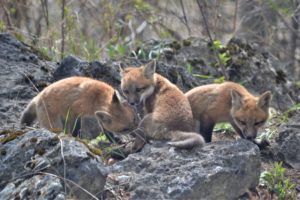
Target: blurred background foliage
pixel 108 29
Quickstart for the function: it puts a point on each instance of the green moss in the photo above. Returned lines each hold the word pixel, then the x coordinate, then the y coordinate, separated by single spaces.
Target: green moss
pixel 33 140
pixel 298 84
pixel 93 149
pixel 195 61
pixel 233 49
pixel 9 135
pixel 40 151
pixel 239 62
pixel 176 45
pixel 186 42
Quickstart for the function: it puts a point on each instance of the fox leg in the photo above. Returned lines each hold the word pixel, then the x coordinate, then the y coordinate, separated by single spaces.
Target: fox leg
pixel 206 128
pixel 50 123
pixel 89 127
pixel 146 129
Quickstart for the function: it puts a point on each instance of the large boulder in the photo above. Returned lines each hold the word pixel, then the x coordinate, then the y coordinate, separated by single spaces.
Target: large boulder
pixel 220 170
pixel 22 74
pixel 286 146
pixel 39 165
pixel 37 187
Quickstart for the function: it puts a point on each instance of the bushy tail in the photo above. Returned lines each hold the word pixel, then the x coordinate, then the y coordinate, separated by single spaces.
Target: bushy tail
pixel 29 114
pixel 186 140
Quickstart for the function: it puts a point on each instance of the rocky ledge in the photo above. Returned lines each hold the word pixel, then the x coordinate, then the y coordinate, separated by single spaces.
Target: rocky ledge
pixel 220 170
pixel 42 165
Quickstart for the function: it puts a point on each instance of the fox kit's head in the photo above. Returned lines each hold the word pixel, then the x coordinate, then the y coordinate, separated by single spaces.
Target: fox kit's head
pixel 138 84
pixel 250 113
pixel 119 118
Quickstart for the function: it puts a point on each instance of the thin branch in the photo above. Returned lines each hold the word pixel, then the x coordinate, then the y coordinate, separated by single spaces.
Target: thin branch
pixel 62 29
pixel 72 182
pixel 184 17
pixel 64 162
pixel 50 174
pixel 44 4
pixel 211 40
pixel 235 14
pixel 286 23
pixel 7 15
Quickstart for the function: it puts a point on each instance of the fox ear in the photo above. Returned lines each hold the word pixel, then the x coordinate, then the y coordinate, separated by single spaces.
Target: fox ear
pixel 265 100
pixel 122 68
pixel 103 117
pixel 149 69
pixel 117 97
pixel 236 99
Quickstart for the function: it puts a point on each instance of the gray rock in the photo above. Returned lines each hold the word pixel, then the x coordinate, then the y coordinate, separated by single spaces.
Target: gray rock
pixel 259 71
pixel 286 146
pixel 221 170
pixel 31 155
pixel 20 67
pixel 69 66
pixel 39 187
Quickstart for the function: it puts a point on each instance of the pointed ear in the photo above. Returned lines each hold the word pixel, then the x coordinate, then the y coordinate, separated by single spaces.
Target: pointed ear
pixel 117 97
pixel 122 68
pixel 236 99
pixel 149 69
pixel 265 100
pixel 103 116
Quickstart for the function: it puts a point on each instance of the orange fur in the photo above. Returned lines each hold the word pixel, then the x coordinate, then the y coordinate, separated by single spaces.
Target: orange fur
pixel 168 114
pixel 82 97
pixel 228 102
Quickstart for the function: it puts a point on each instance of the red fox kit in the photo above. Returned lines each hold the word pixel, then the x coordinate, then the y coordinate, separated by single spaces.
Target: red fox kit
pixel 168 113
pixel 64 101
pixel 229 102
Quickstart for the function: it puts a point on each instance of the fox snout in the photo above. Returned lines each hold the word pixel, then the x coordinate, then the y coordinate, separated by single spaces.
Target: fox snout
pixel 133 101
pixel 249 134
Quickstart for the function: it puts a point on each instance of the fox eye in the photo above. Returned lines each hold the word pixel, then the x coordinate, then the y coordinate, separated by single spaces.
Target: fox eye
pixel 242 122
pixel 259 123
pixel 140 89
pixel 125 91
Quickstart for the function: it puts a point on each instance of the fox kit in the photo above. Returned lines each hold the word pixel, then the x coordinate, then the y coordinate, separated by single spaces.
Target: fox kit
pixel 229 102
pixel 60 104
pixel 168 113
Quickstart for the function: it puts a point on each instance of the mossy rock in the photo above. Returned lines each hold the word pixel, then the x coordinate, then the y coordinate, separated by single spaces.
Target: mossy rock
pixel 10 135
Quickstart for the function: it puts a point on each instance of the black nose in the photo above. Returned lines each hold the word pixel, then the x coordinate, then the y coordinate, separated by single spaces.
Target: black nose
pixel 132 103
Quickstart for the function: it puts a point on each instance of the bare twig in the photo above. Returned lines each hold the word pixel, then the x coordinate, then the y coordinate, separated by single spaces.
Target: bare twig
pixel 235 14
pixel 62 29
pixel 44 4
pixel 184 17
pixel 72 182
pixel 64 161
pixel 211 40
pixel 7 15
pixel 39 171
pixel 294 31
pixel 30 81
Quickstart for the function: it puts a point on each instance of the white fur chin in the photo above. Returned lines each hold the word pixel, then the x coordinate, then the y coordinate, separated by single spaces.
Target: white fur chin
pixel 146 94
